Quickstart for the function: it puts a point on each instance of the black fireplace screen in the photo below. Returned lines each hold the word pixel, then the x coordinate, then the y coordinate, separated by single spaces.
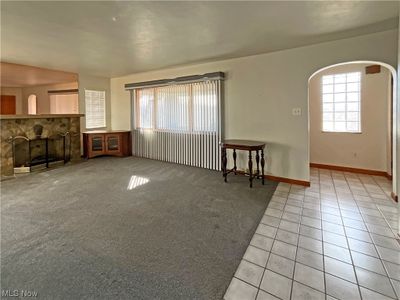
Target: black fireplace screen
pixel 41 151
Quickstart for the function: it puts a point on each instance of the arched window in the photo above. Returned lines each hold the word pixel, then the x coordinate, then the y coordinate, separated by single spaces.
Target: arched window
pixel 32 105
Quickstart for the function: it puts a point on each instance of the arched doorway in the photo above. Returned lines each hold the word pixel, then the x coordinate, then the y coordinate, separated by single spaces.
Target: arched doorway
pixel 32 105
pixel 391 118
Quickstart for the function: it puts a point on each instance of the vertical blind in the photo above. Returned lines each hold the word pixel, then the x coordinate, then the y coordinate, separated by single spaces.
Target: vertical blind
pixel 179 123
pixel 64 103
pixel 95 109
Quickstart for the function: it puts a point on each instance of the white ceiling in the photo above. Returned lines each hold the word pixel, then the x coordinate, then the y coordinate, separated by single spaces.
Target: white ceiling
pixel 115 38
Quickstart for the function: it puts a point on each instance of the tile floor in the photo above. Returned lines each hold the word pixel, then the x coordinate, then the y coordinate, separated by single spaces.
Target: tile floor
pixel 333 240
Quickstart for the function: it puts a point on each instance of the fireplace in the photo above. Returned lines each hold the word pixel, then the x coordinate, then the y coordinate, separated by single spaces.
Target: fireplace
pixel 40 152
pixel 28 142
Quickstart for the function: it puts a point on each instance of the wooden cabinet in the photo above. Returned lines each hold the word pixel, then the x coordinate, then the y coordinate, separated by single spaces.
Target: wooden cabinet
pixel 117 143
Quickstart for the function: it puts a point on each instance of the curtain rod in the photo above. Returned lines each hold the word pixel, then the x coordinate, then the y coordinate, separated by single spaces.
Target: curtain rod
pixel 177 80
pixel 75 91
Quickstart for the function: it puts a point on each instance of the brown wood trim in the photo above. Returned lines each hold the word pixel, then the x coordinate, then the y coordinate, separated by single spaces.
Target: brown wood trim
pixel 394 197
pixel 75 91
pixel 287 180
pixel 281 179
pixel 373 69
pixel 350 169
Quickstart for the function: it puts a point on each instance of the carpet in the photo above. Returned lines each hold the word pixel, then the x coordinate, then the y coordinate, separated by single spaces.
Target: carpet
pixel 127 228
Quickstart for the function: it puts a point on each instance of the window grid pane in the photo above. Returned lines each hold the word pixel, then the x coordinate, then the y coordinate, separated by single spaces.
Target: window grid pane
pixel 341 102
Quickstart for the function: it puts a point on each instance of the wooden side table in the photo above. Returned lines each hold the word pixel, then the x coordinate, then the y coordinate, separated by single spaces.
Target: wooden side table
pixel 246 146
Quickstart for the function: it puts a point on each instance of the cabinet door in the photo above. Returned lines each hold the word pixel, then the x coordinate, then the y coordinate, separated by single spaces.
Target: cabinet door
pixel 7 105
pixel 96 145
pixel 113 144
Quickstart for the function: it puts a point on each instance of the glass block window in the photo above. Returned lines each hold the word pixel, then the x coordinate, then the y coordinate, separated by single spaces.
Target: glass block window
pixel 341 102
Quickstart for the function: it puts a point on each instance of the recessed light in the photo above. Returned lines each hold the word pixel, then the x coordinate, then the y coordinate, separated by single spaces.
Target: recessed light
pixel 114 19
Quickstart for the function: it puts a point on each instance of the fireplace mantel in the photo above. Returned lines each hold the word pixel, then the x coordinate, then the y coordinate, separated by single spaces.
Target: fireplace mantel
pixel 44 116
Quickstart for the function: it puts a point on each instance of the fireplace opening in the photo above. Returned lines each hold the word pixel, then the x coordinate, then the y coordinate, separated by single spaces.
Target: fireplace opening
pixel 40 152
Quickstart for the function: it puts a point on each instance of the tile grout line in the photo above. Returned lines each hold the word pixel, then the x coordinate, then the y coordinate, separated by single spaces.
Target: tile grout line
pixel 381 260
pixel 359 286
pixel 373 242
pixel 345 236
pixel 340 206
pixel 270 252
pixel 347 241
pixel 297 247
pixel 322 236
pixel 381 210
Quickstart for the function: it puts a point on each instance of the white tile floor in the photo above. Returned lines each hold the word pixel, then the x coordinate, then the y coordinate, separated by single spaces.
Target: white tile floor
pixel 333 240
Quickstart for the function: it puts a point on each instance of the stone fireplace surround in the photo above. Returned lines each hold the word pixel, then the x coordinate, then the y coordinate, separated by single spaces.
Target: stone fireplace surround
pixel 23 125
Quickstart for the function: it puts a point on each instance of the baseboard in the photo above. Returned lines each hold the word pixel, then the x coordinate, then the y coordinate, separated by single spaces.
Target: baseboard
pixel 394 197
pixel 287 180
pixel 282 179
pixel 350 169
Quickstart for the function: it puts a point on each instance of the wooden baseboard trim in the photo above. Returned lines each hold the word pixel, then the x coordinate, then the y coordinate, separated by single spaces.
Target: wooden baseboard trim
pixel 388 176
pixel 282 179
pixel 287 180
pixel 394 197
pixel 350 169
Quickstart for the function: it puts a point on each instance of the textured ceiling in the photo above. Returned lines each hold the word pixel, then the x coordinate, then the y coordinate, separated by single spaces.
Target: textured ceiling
pixel 115 38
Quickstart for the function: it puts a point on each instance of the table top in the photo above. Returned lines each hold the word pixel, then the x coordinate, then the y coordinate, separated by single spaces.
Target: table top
pixel 243 144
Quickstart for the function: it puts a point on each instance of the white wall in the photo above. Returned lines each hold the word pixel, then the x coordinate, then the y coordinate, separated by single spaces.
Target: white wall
pixel 17 92
pixel 365 150
pixel 88 82
pixel 261 90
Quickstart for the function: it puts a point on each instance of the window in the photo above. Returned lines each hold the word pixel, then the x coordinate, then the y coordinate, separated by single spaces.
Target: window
pixel 64 103
pixel 146 105
pixel 95 102
pixel 173 107
pixel 181 107
pixel 341 104
pixel 32 105
pixel 179 120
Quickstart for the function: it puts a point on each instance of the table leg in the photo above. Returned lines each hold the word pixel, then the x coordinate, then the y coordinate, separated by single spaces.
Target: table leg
pixel 224 161
pixel 250 170
pixel 234 161
pixel 262 165
pixel 258 163
pixel 47 152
